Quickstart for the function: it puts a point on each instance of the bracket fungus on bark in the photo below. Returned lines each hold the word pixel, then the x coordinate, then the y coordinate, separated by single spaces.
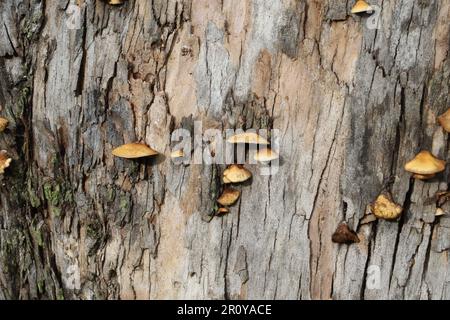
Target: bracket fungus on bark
pixel 425 165
pixel 362 6
pixel 229 197
pixel 444 120
pixel 236 173
pixel 344 234
pixel 385 208
pixel 134 151
pixel 265 155
pixel 247 137
pixel 4 161
pixel 3 124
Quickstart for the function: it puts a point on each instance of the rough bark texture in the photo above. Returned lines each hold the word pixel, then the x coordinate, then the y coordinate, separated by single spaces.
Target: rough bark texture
pixel 353 104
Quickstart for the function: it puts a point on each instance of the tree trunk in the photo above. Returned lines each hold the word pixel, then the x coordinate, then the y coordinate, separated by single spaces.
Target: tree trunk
pixel 353 102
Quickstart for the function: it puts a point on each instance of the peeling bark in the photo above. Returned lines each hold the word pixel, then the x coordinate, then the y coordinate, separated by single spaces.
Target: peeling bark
pixel 353 104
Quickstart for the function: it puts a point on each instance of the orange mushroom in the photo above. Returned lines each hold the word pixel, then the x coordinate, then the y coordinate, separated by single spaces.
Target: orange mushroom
pixel 385 208
pixel 236 173
pixel 229 197
pixel 133 151
pixel 425 165
pixel 361 6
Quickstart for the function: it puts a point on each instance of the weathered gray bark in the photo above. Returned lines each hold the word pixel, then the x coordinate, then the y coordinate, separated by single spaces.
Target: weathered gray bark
pixel 353 104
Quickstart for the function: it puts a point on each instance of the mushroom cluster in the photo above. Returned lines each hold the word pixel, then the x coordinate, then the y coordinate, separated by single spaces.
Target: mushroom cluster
pixel 233 174
pixel 237 173
pixel 424 166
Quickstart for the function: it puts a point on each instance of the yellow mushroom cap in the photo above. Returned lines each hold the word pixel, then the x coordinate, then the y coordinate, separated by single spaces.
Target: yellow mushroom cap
pixel 177 154
pixel 444 120
pixel 361 6
pixel 425 164
pixel 3 124
pixel 247 137
pixel 226 180
pixel 133 150
pixel 229 197
pixel 236 173
pixel 4 161
pixel 265 154
pixel 385 208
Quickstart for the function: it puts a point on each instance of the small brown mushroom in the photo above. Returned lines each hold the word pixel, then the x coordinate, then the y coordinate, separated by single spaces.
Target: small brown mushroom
pixel 133 151
pixel 361 6
pixel 229 197
pixel 344 234
pixel 247 137
pixel 385 208
pixel 3 124
pixel 439 212
pixel 222 211
pixel 4 161
pixel 236 173
pixel 444 120
pixel 425 164
pixel 265 155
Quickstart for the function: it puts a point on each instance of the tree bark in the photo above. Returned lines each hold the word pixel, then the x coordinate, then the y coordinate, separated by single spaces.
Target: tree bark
pixel 353 104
